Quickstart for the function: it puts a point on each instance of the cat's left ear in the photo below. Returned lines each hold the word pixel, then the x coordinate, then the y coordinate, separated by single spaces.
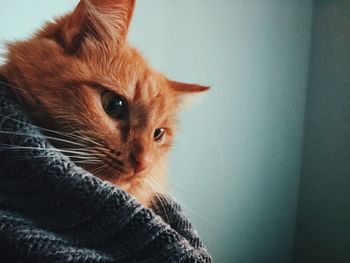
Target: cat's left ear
pixel 97 20
pixel 187 88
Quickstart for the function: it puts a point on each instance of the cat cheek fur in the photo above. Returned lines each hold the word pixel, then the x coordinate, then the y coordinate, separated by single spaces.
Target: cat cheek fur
pixel 57 72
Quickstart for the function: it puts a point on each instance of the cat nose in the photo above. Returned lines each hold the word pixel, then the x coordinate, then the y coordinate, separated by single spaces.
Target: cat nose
pixel 142 161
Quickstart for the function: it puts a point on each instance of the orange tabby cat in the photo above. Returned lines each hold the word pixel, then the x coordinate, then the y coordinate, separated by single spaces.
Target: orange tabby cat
pixel 78 75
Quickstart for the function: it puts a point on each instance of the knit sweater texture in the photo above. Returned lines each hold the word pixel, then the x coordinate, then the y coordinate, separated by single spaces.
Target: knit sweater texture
pixel 54 211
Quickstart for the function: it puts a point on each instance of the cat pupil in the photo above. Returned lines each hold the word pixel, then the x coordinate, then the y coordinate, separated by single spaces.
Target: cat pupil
pixel 113 105
pixel 158 134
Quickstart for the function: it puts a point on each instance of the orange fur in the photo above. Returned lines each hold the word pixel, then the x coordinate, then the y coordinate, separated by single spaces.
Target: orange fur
pixel 60 74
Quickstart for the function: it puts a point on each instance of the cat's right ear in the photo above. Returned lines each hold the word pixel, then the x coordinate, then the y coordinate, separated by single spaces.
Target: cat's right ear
pixel 97 20
pixel 187 88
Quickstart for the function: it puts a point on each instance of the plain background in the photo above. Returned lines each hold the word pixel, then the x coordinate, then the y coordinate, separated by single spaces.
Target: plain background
pixel 238 156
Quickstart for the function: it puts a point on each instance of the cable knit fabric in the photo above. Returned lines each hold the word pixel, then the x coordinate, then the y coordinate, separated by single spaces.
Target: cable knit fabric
pixel 53 211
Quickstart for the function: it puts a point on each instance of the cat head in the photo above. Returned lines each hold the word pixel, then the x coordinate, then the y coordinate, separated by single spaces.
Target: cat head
pixel 83 79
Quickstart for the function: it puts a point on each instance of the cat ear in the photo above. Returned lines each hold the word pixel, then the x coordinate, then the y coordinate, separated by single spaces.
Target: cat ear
pixel 184 88
pixel 100 20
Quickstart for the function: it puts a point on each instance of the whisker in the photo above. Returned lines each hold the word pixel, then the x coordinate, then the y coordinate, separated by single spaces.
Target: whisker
pixel 182 203
pixel 46 136
pixel 160 200
pixel 88 158
pixel 87 138
pixel 80 133
pixel 81 159
pixel 80 137
pixel 87 162
pixel 6 107
pixel 61 133
pixel 16 147
pixel 97 170
pixel 38 127
pixel 13 87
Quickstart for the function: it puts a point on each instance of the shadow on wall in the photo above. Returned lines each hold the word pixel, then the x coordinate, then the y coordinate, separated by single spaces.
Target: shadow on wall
pixel 323 229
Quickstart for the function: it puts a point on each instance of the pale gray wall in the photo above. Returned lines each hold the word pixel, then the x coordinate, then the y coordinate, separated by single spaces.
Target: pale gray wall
pixel 237 159
pixel 323 231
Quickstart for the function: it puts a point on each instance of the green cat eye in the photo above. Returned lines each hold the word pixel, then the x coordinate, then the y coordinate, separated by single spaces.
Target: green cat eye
pixel 114 105
pixel 158 134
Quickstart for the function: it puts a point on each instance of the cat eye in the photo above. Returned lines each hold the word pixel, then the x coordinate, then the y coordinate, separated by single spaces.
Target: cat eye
pixel 114 105
pixel 158 134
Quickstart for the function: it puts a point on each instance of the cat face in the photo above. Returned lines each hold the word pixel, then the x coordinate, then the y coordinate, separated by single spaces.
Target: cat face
pixel 84 79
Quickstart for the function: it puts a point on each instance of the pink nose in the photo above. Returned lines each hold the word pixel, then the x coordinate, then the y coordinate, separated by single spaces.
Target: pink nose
pixel 142 161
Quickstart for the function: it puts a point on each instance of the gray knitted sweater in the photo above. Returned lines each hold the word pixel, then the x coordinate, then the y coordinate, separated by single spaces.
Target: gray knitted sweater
pixel 53 211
